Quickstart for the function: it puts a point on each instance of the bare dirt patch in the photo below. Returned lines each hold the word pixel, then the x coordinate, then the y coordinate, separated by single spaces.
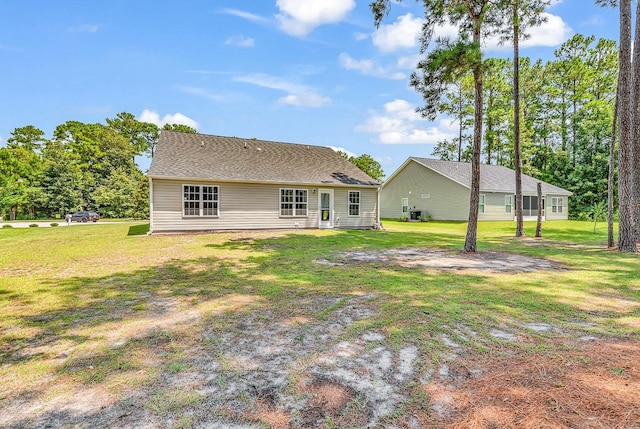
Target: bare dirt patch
pixel 311 365
pixel 439 259
pixel 292 369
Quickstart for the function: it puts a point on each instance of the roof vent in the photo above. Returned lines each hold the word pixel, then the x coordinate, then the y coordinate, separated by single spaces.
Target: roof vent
pixel 259 149
pixel 246 145
pixel 202 143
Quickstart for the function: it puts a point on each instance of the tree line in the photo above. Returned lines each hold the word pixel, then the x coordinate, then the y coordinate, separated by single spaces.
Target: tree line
pixel 449 59
pixel 89 167
pixel 80 167
pixel 566 110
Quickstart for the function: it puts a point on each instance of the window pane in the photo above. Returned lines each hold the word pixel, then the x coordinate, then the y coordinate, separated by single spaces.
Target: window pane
pixel 354 203
pixel 286 202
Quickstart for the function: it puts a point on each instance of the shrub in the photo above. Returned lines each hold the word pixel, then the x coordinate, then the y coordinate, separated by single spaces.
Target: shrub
pixel 33 225
pixel 426 216
pixel 7 226
pixel 54 224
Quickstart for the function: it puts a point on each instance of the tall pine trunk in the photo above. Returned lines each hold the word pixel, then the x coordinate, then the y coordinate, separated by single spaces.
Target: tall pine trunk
pixel 626 233
pixel 472 226
pixel 516 119
pixel 635 123
pixel 610 178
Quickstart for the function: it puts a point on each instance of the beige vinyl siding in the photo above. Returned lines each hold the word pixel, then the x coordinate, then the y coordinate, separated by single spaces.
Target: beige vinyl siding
pixel 494 207
pixel 250 206
pixel 548 208
pixel 447 200
pixel 368 206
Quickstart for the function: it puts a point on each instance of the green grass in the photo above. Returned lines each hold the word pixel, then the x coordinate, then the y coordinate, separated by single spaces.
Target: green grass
pixel 90 293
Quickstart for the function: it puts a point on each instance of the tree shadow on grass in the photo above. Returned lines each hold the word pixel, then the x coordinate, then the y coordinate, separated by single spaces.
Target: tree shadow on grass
pixel 131 334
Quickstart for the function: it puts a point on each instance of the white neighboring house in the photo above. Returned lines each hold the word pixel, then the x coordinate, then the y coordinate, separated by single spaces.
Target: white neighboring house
pixel 443 189
pixel 203 182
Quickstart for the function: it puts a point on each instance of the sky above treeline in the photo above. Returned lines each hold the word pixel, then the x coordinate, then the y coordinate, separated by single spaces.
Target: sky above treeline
pixel 301 71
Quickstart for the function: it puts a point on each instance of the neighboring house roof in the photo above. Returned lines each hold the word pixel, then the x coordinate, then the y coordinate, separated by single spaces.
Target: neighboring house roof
pixel 493 178
pixel 199 156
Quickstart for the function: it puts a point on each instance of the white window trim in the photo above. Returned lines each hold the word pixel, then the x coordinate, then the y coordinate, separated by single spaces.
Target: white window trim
pixel 557 203
pixel 293 203
pixel 482 200
pixel 508 202
pixel 200 200
pixel 407 206
pixel 350 204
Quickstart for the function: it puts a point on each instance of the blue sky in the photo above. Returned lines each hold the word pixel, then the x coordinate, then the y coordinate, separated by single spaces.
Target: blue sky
pixel 301 71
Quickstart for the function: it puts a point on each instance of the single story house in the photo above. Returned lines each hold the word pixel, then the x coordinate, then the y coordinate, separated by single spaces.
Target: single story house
pixel 204 183
pixel 443 188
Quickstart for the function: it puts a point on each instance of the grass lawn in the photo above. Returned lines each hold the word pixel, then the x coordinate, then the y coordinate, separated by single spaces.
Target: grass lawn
pixel 104 326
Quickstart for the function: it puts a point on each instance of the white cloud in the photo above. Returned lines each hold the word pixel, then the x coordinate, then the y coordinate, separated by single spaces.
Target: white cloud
pixel 369 67
pixel 200 92
pixel 360 36
pixel 347 151
pixel 300 17
pixel 176 118
pixel 297 95
pixel 401 124
pixel 307 99
pixel 401 34
pixel 240 41
pixel 84 28
pixel 409 62
pixel 244 15
pixel 553 32
pixel 445 31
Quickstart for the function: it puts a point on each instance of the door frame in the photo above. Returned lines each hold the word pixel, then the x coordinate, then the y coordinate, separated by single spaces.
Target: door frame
pixel 328 224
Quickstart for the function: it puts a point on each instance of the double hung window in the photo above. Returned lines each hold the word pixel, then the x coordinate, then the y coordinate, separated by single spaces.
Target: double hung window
pixel 354 203
pixel 200 200
pixel 294 202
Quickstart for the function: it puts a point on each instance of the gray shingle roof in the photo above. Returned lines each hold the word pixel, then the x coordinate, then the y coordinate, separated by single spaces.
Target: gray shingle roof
pixel 493 178
pixel 200 156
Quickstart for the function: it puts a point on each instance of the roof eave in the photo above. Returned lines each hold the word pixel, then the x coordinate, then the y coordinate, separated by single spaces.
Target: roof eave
pixel 265 182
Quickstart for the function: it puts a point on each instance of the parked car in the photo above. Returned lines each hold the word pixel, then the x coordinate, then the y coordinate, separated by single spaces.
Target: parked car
pixel 85 216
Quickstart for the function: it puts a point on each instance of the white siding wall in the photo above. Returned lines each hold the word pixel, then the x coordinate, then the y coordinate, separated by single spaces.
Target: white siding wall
pixel 250 206
pixel 548 208
pixel 494 207
pixel 447 200
pixel 368 208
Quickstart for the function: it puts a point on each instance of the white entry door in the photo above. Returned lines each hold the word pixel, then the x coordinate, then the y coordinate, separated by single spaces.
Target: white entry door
pixel 325 203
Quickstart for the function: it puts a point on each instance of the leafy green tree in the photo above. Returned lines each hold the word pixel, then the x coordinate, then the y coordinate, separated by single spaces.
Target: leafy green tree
pixel 28 137
pixel 519 15
pixel 457 102
pixel 369 165
pixel 447 61
pixel 497 102
pixel 123 195
pixel 365 163
pixel 62 182
pixel 19 171
pixel 180 127
pixel 142 136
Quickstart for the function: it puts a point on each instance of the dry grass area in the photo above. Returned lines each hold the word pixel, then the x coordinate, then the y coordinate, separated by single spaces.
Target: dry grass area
pixel 319 330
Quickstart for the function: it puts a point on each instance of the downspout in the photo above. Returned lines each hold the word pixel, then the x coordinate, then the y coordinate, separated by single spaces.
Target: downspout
pixel 378 209
pixel 150 205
